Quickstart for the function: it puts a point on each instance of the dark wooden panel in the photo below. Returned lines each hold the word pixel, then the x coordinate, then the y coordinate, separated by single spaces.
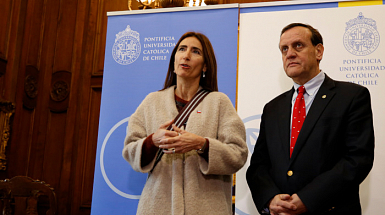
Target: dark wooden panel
pixel 100 27
pixel 90 150
pixel 101 30
pixel 86 105
pixel 14 40
pixel 5 18
pixel 3 67
pixel 46 50
pixel 34 29
pixel 86 141
pixel 20 143
pixel 93 59
pixel 54 158
pixel 53 151
pixel 15 27
pixel 66 21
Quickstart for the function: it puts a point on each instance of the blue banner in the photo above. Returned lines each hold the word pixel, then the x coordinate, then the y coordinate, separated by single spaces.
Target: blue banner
pixel 138 49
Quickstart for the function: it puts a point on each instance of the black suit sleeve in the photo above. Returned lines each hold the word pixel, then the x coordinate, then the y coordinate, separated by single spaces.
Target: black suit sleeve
pixel 261 184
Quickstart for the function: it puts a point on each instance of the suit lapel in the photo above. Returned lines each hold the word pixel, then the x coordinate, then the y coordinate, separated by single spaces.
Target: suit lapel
pixel 321 100
pixel 284 122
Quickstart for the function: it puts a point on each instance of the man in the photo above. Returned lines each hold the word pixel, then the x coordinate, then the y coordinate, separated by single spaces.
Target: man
pixel 315 167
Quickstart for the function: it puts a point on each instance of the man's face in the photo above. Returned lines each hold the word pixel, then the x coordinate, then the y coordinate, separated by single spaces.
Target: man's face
pixel 300 58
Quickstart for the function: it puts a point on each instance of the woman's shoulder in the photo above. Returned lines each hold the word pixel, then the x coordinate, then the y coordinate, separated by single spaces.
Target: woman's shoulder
pixel 218 95
pixel 159 94
pixel 220 99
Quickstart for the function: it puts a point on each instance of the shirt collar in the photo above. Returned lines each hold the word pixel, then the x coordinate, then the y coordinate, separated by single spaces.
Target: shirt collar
pixel 313 85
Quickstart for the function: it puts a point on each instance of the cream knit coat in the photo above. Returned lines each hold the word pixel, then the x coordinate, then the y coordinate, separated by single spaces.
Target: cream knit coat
pixel 186 184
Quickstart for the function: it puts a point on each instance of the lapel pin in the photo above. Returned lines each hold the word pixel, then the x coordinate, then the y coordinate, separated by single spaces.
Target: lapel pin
pixel 324 96
pixel 199 111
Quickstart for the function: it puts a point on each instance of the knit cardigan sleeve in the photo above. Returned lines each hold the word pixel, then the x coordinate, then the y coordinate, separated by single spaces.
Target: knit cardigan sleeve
pixel 156 109
pixel 136 134
pixel 228 151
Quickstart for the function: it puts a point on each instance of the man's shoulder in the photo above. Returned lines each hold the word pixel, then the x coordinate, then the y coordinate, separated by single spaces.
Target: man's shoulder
pixel 279 102
pixel 281 97
pixel 344 85
pixel 348 88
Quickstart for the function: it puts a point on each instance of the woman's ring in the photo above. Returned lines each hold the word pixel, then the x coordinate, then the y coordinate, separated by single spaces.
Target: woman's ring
pixel 173 150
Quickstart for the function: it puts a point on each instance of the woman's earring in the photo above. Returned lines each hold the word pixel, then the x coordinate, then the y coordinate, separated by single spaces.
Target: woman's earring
pixel 204 74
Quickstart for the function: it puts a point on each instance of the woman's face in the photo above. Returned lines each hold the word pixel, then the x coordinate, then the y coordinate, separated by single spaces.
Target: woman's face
pixel 189 61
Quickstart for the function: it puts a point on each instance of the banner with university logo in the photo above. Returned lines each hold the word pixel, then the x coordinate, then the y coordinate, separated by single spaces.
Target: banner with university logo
pixel 138 49
pixel 353 34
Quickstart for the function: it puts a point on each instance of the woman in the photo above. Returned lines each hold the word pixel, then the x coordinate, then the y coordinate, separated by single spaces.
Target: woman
pixel 194 175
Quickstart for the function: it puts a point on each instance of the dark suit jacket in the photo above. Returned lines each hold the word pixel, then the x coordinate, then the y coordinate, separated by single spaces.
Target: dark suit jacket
pixel 332 156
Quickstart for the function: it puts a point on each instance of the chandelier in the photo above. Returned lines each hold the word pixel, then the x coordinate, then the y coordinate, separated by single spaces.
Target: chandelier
pixel 171 3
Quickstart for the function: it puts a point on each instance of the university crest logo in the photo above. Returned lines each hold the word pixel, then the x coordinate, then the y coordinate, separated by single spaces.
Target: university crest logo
pixel 361 36
pixel 126 48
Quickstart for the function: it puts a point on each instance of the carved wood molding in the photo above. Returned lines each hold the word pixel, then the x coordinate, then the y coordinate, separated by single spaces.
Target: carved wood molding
pixel 60 91
pixel 31 81
pixel 6 111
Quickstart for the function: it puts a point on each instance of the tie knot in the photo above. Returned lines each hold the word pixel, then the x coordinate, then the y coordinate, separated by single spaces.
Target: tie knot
pixel 301 89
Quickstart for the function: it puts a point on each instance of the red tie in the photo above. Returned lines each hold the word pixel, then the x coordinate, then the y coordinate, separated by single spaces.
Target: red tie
pixel 299 114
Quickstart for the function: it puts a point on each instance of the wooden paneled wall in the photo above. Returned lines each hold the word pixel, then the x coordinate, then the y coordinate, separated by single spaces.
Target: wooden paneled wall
pixel 51 68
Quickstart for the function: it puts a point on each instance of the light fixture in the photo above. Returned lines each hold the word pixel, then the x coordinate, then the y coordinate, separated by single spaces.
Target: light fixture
pixel 171 3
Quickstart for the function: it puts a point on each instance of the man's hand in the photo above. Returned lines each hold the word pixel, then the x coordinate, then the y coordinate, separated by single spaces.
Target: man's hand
pixel 281 205
pixel 301 208
pixel 284 204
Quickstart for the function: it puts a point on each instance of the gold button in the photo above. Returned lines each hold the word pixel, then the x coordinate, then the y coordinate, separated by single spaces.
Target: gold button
pixel 289 173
